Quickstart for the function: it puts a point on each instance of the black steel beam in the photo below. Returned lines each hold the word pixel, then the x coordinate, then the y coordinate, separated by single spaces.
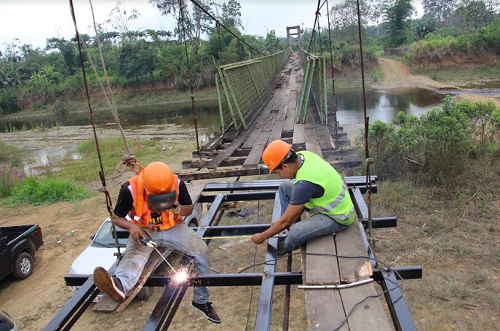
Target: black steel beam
pixel 75 307
pixel 209 217
pixel 381 222
pixel 362 211
pixel 234 230
pixel 272 184
pixel 410 272
pixel 396 303
pixel 161 311
pixel 264 310
pixel 247 196
pixel 238 279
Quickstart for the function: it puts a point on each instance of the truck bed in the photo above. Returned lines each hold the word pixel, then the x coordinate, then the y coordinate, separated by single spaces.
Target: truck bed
pixel 12 232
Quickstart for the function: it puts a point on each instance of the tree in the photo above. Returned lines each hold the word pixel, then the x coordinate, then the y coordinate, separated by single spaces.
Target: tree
pixel 231 14
pixel 473 15
pixel 440 11
pixel 193 20
pixel 397 22
pixel 121 19
pixel 68 51
pixel 344 16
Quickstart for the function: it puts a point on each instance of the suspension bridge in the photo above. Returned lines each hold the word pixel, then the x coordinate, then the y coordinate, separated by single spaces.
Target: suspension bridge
pixel 280 96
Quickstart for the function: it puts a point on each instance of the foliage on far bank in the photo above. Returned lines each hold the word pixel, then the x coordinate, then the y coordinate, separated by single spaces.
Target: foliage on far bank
pixel 435 46
pixel 437 146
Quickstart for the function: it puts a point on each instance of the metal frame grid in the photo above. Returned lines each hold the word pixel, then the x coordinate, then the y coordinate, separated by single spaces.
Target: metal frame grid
pixel 243 88
pixel 313 85
pixel 165 309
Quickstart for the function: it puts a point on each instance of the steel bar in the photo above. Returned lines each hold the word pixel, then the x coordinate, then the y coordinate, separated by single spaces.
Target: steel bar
pixel 246 279
pixel 400 313
pixel 248 196
pixel 209 217
pixel 381 222
pixel 167 299
pixel 236 279
pixel 86 292
pixel 410 272
pixel 272 184
pixel 234 230
pixel 263 319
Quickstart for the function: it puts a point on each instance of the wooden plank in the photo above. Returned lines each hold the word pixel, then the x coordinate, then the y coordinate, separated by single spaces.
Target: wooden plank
pixel 229 162
pixel 299 135
pixel 312 143
pixel 195 189
pixel 324 310
pixel 321 270
pixel 214 163
pixel 350 243
pixel 291 109
pixel 368 316
pixel 255 155
pixel 107 305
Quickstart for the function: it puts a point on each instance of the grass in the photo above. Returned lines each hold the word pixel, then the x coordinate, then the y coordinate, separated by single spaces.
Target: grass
pixel 459 74
pixel 453 236
pixel 45 191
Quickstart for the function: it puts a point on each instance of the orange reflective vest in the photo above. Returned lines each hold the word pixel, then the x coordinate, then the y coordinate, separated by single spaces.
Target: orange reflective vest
pixel 141 215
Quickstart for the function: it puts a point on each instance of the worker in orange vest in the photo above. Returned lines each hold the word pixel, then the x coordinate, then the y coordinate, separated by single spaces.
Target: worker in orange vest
pixel 313 185
pixel 150 206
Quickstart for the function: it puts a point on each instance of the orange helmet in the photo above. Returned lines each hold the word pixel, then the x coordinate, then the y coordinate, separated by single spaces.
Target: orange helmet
pixel 157 178
pixel 274 153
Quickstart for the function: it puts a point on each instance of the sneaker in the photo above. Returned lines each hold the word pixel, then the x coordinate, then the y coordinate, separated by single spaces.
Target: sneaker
pixel 109 285
pixel 207 310
pixel 282 251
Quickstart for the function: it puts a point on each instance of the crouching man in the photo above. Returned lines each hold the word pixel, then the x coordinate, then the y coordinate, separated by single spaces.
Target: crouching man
pixel 150 206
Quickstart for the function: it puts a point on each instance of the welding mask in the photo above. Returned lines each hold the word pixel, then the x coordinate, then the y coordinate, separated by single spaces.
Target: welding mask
pixel 161 202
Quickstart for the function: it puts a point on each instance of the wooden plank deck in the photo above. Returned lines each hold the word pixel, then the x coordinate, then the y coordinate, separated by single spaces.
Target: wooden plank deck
pixel 276 120
pixel 328 308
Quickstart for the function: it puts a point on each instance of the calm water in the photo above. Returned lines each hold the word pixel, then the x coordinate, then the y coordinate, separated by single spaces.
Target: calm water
pixel 130 118
pixel 384 106
pixel 381 105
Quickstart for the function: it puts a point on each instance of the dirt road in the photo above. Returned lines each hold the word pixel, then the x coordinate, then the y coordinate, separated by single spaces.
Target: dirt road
pixel 397 75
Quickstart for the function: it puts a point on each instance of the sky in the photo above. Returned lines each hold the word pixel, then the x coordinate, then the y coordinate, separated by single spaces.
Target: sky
pixel 34 21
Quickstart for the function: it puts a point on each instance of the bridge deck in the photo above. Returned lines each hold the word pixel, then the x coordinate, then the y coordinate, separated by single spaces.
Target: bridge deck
pixel 277 120
pixel 327 308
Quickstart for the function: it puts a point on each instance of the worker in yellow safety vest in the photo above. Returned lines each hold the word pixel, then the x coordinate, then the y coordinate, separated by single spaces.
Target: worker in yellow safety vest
pixel 150 206
pixel 313 185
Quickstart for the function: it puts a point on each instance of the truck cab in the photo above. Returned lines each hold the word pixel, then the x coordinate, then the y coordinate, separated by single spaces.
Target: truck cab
pixel 18 245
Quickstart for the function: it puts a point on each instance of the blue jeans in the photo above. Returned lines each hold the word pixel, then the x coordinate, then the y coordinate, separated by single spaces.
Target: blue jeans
pixel 301 231
pixel 181 238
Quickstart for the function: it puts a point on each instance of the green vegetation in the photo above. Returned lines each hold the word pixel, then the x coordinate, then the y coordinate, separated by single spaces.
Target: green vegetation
pixel 436 46
pixel 45 191
pixel 438 146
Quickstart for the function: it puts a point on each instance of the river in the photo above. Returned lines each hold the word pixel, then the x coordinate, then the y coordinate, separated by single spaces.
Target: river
pixel 381 105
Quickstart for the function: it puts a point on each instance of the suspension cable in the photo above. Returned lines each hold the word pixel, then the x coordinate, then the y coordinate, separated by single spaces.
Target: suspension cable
pixel 334 96
pixel 128 160
pixel 109 204
pixel 367 119
pixel 319 34
pixel 220 44
pixel 193 103
pixel 314 28
pixel 222 25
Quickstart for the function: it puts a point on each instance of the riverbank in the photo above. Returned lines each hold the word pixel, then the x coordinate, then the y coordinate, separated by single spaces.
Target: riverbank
pixel 122 101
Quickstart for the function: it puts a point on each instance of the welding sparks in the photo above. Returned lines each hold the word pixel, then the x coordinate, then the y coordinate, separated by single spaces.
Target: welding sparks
pixel 181 276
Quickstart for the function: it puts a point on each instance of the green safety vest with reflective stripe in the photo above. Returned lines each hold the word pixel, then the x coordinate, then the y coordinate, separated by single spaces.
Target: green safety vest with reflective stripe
pixel 335 201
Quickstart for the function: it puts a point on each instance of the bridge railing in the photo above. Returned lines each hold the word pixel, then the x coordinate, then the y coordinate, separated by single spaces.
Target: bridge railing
pixel 243 88
pixel 313 85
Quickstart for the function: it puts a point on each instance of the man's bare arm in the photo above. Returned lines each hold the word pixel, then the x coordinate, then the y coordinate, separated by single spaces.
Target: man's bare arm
pixel 291 215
